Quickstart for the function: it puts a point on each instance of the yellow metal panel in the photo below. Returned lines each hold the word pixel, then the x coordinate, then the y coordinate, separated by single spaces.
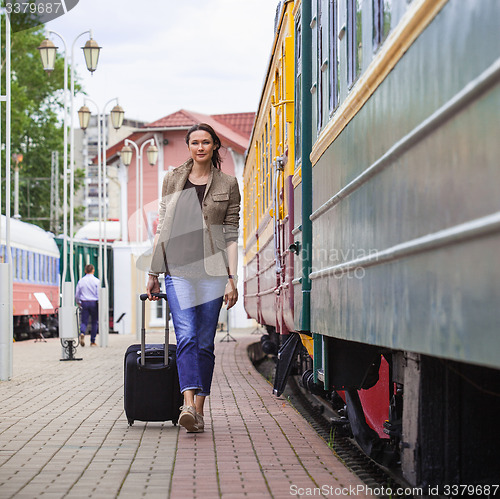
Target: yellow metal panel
pixel 297 177
pixel 307 341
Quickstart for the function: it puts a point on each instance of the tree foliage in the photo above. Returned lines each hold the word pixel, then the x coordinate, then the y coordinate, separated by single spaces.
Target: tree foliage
pixel 36 123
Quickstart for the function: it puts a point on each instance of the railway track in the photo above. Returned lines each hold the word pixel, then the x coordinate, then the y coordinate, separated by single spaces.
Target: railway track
pixel 318 412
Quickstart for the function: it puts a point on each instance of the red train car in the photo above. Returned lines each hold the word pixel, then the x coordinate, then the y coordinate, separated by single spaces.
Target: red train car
pixel 35 276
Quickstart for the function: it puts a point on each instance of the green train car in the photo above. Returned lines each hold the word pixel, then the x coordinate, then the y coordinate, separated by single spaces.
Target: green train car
pixel 84 253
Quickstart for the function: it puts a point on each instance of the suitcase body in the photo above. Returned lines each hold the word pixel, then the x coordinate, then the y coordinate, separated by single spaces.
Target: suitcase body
pixel 151 383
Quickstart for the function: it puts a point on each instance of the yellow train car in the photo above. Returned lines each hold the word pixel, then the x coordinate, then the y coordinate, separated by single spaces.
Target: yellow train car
pixel 268 189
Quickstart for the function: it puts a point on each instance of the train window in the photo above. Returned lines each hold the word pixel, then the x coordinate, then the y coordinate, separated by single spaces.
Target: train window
pixel 33 267
pixel 14 262
pixel 298 92
pixel 333 47
pixel 271 155
pixel 266 169
pixel 52 270
pixel 24 266
pixel 262 176
pixel 43 259
pixel 382 10
pixel 354 37
pixel 324 62
pixel 30 266
pixel 319 75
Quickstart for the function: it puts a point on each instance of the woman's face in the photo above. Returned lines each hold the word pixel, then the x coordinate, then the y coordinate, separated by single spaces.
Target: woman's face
pixel 201 146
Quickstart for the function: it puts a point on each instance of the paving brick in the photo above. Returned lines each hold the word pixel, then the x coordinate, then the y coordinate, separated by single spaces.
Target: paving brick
pixel 63 433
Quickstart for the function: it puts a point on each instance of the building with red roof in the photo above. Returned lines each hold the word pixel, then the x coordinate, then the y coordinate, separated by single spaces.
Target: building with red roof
pixel 169 135
pixel 138 220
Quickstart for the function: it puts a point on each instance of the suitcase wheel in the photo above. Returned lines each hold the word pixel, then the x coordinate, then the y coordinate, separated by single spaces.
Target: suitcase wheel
pixel 130 422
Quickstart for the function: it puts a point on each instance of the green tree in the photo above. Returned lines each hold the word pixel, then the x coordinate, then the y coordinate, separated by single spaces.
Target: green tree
pixel 37 128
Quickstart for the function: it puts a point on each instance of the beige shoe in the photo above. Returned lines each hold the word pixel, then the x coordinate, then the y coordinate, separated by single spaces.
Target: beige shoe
pixel 82 339
pixel 200 424
pixel 187 418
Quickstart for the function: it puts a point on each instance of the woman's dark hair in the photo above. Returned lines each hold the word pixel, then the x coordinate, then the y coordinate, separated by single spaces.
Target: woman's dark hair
pixel 216 159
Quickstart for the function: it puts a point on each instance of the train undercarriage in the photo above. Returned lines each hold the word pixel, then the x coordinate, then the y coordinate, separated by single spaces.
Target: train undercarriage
pixel 38 327
pixel 440 426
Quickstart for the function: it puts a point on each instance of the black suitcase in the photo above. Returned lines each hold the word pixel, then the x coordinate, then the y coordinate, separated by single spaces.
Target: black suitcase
pixel 151 385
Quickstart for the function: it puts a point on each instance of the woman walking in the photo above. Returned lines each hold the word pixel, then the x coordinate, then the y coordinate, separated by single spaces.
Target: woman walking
pixel 196 248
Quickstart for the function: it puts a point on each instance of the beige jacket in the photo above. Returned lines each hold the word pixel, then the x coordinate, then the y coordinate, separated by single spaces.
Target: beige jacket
pixel 220 209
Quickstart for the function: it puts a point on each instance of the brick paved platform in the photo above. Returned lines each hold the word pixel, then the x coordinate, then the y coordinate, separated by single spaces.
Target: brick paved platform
pixel 63 434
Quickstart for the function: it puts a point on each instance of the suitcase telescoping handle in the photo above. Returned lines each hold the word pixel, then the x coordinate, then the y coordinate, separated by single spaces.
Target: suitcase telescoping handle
pixel 144 297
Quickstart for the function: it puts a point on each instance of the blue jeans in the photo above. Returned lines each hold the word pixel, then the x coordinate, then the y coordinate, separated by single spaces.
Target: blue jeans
pixel 195 303
pixel 90 310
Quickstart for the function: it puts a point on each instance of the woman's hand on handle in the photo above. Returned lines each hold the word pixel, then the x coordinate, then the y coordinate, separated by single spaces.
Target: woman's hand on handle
pixel 230 294
pixel 153 286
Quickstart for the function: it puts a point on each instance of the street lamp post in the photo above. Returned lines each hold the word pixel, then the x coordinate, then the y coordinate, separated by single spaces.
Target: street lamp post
pixel 17 158
pixel 6 288
pixel 126 155
pixel 117 114
pixel 67 311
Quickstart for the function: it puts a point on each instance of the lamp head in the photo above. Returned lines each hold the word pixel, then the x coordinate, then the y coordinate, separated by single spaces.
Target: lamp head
pixel 48 55
pixel 117 114
pixel 126 155
pixel 84 117
pixel 91 51
pixel 152 154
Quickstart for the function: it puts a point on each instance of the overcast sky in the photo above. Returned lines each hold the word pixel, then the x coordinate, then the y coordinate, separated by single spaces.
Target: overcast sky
pixel 160 56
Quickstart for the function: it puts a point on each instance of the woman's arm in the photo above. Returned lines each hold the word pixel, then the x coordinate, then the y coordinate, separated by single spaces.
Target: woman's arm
pixel 153 284
pixel 231 229
pixel 231 292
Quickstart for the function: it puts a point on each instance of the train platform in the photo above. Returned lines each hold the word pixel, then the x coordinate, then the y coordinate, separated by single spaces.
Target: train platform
pixel 64 434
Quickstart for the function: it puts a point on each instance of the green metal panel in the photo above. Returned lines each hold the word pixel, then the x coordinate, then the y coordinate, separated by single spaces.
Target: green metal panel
pixel 306 164
pixel 86 252
pixel 442 300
